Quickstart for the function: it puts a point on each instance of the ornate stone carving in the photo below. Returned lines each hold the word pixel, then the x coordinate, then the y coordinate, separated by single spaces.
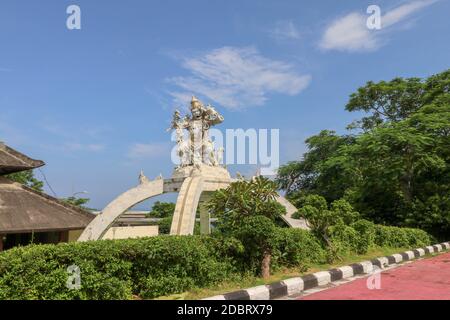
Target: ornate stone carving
pixel 198 175
pixel 198 149
pixel 142 178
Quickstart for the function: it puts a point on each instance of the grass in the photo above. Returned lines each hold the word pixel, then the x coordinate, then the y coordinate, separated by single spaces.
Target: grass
pixel 229 286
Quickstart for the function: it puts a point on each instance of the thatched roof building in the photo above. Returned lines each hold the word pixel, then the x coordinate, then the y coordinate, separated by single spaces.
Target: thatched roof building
pixel 25 212
pixel 13 161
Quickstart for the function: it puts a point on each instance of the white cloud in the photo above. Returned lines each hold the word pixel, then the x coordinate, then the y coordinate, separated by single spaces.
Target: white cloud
pixel 140 151
pixel 285 30
pixel 74 139
pixel 237 77
pixel 400 13
pixel 84 147
pixel 350 33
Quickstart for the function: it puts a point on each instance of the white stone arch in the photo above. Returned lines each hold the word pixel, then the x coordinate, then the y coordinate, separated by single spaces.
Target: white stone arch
pixel 103 221
pixel 186 207
pixel 193 188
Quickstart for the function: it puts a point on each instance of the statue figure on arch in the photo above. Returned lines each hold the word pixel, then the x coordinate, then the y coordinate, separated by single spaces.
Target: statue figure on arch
pixel 198 149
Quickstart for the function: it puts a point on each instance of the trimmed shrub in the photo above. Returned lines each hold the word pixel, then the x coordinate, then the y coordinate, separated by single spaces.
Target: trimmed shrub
pixel 164 225
pixel 367 234
pixel 298 248
pixel 362 235
pixel 117 269
pixel 395 237
pixel 153 287
pixel 344 238
pixel 151 267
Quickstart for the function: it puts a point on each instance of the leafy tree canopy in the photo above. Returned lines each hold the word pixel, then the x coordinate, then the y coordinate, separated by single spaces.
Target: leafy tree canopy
pixel 245 199
pixel 162 209
pixel 248 211
pixel 396 169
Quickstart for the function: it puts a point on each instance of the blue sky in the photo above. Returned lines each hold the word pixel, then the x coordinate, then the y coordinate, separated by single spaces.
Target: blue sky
pixel 94 103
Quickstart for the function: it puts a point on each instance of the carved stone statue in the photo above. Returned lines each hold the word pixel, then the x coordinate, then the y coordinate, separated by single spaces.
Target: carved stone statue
pixel 142 178
pixel 219 155
pixel 198 149
pixel 199 173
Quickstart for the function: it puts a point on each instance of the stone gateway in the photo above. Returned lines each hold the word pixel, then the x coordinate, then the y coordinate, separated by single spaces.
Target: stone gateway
pixel 198 174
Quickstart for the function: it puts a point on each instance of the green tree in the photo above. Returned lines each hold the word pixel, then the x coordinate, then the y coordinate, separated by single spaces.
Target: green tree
pixel 309 176
pixel 245 199
pixel 162 210
pixel 248 210
pixel 321 217
pixel 259 235
pixel 326 222
pixel 396 170
pixel 390 101
pixel 165 224
pixel 28 179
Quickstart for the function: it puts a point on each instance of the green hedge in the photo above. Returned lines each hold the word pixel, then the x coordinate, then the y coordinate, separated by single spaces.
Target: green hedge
pixel 396 237
pixel 118 269
pixel 362 235
pixel 151 267
pixel 298 248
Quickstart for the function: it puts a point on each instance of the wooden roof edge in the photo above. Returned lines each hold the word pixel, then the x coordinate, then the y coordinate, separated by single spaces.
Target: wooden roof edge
pixel 32 163
pixel 16 231
pixel 66 205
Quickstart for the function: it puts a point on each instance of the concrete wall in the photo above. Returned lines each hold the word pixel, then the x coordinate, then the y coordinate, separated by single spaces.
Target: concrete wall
pixel 131 232
pixel 74 235
pixel 113 233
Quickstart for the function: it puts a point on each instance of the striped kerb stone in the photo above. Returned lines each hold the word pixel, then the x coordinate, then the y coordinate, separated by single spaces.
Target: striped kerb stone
pixel 429 249
pixel 323 277
pixel 259 293
pixel 357 268
pixel 380 262
pixel 309 281
pixel 336 274
pixel 277 290
pixel 405 256
pixel 410 255
pixel 237 295
pixel 347 272
pixel 416 253
pixel 294 285
pixel 220 297
pixel 421 251
pixel 391 259
pixel 367 266
pixel 297 285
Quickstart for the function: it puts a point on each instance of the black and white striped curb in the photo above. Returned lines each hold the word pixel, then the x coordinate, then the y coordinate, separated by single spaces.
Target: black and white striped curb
pixel 295 286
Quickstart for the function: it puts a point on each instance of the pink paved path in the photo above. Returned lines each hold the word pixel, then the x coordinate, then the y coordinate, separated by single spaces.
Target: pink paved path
pixel 427 279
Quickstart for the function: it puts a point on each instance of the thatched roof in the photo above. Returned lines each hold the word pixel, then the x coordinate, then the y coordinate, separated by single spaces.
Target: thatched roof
pixel 23 210
pixel 13 161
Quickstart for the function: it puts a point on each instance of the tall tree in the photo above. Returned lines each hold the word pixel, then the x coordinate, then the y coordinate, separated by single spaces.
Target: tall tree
pixel 308 176
pixel 396 170
pixel 162 210
pixel 390 101
pixel 248 210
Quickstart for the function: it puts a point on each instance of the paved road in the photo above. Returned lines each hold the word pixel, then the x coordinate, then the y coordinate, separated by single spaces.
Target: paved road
pixel 427 279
